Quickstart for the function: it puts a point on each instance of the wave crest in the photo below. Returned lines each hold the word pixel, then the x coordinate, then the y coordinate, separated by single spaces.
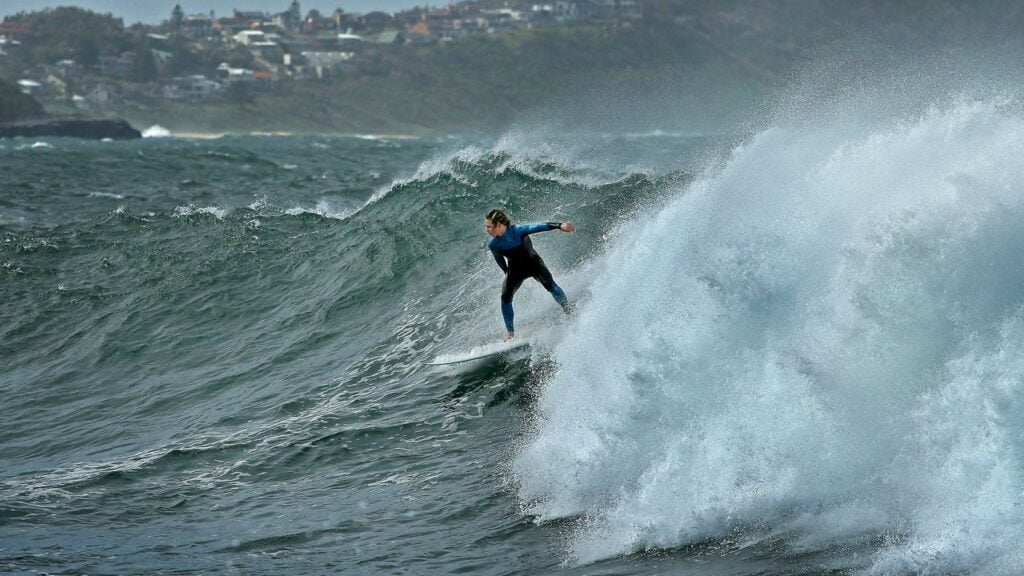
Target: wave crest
pixel 802 346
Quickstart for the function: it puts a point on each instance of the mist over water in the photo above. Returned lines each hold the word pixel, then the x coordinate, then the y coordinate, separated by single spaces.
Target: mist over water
pixel 817 345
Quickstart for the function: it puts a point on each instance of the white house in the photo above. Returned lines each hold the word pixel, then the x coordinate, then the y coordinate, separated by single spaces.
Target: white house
pixel 229 74
pixel 248 37
pixel 30 87
pixel 196 87
pixel 320 64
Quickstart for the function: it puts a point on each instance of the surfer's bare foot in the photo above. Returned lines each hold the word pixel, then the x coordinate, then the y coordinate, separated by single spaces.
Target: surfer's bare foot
pixel 510 336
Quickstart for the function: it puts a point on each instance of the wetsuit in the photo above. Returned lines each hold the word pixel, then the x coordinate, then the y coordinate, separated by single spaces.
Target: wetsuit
pixel 514 253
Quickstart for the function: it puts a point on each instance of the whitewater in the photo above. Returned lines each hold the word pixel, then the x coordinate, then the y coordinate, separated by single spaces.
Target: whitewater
pixel 795 350
pixel 817 347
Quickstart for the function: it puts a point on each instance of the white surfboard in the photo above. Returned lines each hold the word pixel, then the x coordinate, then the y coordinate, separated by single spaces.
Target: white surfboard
pixel 480 352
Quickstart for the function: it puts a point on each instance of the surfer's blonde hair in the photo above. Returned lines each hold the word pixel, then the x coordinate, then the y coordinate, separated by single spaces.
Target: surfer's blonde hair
pixel 498 217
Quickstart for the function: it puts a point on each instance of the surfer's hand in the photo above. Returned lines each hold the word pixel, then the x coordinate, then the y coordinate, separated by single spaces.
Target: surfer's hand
pixel 567 227
pixel 510 336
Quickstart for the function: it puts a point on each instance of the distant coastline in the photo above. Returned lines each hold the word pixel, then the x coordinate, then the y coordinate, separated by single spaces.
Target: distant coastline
pixel 218 135
pixel 472 67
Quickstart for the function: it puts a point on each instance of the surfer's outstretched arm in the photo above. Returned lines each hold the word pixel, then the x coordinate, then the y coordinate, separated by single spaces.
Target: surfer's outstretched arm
pixel 528 229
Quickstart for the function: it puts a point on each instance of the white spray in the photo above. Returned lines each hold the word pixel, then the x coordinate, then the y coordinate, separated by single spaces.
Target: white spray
pixel 822 341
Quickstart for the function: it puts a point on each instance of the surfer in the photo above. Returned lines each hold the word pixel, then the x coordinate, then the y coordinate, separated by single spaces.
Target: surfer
pixel 514 253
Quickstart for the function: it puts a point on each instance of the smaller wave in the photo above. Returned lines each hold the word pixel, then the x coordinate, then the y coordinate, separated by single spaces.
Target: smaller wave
pixel 657 134
pixel 260 203
pixel 34 146
pixel 431 168
pixel 191 209
pixel 323 208
pixel 106 195
pixel 156 131
pixel 386 137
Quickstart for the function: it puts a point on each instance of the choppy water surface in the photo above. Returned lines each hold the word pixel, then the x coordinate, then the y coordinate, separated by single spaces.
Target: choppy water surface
pixel 795 355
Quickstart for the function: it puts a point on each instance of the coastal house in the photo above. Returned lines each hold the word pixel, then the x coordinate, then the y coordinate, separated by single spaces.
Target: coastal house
pixel 198 26
pixel 238 22
pixel 321 64
pixel 263 79
pixel 101 94
pixel 31 87
pixel 419 33
pixel 610 10
pixel 249 37
pixel 229 75
pixel 158 40
pixel 441 25
pixel 348 38
pixel 331 41
pixel 267 53
pixel 542 14
pixel 499 20
pixel 327 60
pixel 117 66
pixel 64 69
pixel 13 29
pixel 194 87
pixel 279 22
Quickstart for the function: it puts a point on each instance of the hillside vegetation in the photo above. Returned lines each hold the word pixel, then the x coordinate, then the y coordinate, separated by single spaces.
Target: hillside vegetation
pixel 15 106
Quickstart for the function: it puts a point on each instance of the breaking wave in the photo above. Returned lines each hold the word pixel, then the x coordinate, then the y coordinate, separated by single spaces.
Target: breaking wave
pixel 821 343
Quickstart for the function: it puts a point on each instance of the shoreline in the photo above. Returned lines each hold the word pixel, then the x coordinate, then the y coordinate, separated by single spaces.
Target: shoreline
pixel 218 135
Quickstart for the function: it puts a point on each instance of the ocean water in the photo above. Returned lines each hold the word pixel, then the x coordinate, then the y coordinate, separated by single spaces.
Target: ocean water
pixel 798 351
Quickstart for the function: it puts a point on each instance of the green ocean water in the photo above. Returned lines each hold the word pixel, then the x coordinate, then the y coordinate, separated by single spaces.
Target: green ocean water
pixel 213 350
pixel 793 352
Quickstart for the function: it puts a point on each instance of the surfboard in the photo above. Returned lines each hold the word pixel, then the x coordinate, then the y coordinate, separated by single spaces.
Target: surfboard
pixel 480 352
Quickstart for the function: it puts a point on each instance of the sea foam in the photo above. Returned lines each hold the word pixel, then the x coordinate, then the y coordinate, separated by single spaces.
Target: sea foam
pixel 822 341
pixel 156 131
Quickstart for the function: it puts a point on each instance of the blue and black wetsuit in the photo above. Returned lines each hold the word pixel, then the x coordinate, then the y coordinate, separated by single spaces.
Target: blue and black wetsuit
pixel 514 253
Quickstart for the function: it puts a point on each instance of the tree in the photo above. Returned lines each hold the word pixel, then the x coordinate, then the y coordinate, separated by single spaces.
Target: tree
pixel 177 17
pixel 88 53
pixel 74 33
pixel 294 13
pixel 144 67
pixel 183 60
pixel 17 106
